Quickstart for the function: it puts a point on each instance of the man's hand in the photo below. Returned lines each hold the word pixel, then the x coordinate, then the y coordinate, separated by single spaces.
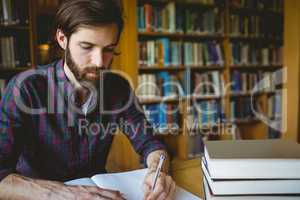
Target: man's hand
pixel 164 189
pixel 87 193
pixel 15 187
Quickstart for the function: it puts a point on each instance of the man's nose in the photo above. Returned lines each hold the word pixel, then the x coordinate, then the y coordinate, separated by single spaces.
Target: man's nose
pixel 97 58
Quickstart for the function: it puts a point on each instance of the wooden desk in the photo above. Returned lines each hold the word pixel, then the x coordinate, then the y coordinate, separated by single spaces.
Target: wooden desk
pixel 188 175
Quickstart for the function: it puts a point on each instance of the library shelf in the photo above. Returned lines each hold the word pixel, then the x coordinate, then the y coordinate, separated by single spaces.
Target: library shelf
pixel 159 100
pixel 255 67
pixel 179 35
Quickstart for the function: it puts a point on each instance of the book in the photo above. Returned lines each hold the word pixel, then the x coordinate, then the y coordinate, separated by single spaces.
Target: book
pixel 252 186
pixel 245 53
pixel 2 87
pixel 128 183
pixel 208 195
pixel 253 159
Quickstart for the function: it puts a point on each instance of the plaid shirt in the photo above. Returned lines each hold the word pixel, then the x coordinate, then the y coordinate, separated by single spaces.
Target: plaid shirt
pixel 53 141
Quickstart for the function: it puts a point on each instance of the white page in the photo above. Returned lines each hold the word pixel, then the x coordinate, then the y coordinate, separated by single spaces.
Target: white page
pixel 130 184
pixel 81 181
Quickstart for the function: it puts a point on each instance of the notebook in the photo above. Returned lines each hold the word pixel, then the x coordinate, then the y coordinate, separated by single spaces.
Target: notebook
pixel 128 183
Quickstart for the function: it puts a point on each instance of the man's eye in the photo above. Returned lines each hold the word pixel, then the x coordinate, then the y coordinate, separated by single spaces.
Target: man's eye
pixel 86 47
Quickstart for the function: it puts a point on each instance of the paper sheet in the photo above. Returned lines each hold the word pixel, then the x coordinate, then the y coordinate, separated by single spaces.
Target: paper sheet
pixel 128 183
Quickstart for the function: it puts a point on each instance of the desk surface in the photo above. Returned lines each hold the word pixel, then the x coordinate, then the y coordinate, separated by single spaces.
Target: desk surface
pixel 188 175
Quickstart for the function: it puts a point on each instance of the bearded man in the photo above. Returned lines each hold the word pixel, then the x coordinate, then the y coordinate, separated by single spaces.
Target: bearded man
pixel 46 113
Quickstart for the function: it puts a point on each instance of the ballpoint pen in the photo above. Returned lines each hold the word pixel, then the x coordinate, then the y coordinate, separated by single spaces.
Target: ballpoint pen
pixel 158 169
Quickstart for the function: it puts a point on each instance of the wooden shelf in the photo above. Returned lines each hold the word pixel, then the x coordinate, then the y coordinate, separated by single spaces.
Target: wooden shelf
pixel 13 70
pixel 246 121
pixel 181 35
pixel 161 68
pixel 180 68
pixel 205 68
pixel 197 5
pixel 159 100
pixel 14 27
pixel 253 11
pixel 204 97
pixel 254 38
pixel 242 94
pixel 255 67
pixel 248 94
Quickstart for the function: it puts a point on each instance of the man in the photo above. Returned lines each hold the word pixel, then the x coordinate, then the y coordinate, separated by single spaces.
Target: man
pixel 45 138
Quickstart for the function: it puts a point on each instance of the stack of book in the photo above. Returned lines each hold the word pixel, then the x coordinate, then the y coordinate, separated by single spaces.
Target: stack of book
pixel 251 169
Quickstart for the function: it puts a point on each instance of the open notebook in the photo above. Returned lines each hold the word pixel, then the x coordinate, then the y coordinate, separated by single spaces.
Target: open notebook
pixel 128 183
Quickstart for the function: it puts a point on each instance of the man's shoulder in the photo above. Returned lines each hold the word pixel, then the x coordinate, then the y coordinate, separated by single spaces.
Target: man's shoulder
pixel 34 78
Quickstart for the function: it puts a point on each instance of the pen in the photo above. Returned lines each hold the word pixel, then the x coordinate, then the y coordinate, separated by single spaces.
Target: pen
pixel 158 169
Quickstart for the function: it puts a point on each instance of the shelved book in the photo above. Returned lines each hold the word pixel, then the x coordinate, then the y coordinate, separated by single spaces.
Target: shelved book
pixel 163 117
pixel 253 82
pixel 269 5
pixel 2 87
pixel 243 108
pixel 203 54
pixel 13 12
pixel 255 26
pixel 204 114
pixel 161 85
pixel 207 84
pixel 14 52
pixel 8 52
pixel 166 52
pixel 275 105
pixel 160 52
pixel 243 53
pixel 168 17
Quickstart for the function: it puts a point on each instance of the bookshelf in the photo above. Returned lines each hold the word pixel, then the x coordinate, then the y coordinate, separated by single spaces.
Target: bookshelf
pixel 254 52
pixel 17 38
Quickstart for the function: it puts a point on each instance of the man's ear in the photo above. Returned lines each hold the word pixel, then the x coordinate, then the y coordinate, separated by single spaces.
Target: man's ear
pixel 61 39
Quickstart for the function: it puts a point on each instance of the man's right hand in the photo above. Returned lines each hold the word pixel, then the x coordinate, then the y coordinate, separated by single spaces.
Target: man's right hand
pixel 15 187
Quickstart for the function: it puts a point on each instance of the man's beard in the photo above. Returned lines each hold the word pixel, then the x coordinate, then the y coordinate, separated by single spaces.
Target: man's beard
pixel 81 75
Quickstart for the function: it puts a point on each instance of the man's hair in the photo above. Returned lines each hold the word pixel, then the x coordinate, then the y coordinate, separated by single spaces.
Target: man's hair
pixel 75 13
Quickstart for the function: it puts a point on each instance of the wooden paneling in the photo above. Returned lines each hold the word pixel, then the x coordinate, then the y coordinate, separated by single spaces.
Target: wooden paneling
pixel 291 62
pixel 122 156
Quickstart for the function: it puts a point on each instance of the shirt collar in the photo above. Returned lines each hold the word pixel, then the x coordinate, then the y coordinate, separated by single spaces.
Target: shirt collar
pixel 60 73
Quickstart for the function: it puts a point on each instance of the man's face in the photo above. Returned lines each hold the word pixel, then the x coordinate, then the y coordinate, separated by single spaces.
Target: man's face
pixel 90 50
